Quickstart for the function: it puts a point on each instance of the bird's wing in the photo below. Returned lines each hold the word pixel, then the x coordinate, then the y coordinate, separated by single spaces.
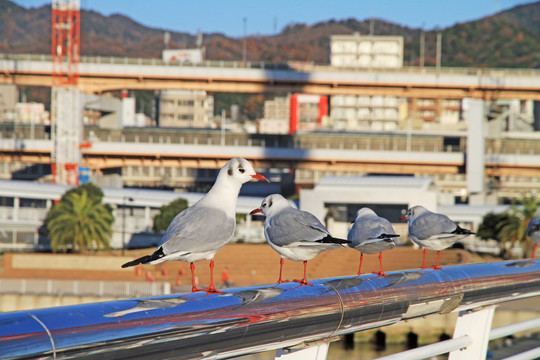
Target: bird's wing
pixel 534 225
pixel 432 225
pixel 369 228
pixel 198 229
pixel 292 226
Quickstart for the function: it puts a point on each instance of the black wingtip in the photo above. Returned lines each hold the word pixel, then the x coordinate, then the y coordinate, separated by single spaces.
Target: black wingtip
pixel 145 259
pixel 462 231
pixel 332 240
pixel 141 260
pixel 385 236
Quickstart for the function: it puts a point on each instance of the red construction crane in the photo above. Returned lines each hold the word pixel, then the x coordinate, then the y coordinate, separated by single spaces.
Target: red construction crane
pixel 66 41
pixel 65 109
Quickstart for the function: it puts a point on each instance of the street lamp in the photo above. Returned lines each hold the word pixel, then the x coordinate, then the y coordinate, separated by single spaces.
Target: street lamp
pixel 125 198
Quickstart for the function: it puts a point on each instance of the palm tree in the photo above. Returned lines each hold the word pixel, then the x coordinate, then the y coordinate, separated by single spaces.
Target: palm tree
pixel 80 222
pixel 512 229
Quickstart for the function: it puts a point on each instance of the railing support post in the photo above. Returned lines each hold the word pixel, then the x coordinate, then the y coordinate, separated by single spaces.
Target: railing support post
pixel 317 351
pixel 477 325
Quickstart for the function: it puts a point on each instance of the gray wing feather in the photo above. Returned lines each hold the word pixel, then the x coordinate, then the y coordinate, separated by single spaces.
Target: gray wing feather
pixel 533 229
pixel 198 229
pixel 292 225
pixel 432 224
pixel 367 229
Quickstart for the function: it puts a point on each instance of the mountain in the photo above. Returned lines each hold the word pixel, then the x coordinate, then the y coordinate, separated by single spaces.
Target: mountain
pixel 508 39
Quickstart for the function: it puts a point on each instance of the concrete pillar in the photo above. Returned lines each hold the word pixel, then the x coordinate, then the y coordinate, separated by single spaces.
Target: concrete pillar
pixel 474 114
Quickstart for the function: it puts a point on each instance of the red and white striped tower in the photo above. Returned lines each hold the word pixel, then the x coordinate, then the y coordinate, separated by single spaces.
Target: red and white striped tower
pixel 65 109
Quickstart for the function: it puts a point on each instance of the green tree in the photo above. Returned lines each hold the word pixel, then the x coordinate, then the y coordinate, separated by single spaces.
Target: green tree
pixel 512 230
pixel 80 221
pixel 167 213
pixel 488 228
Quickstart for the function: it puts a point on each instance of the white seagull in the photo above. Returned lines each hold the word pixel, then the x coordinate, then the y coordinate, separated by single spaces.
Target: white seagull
pixel 199 231
pixel 371 234
pixel 433 231
pixel 295 234
pixel 533 232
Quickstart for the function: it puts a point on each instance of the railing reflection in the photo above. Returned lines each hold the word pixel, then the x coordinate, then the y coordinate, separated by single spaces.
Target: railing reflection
pixel 247 320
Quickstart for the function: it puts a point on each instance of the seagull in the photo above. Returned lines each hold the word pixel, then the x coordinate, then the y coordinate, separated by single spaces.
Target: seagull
pixel 433 231
pixel 371 234
pixel 295 234
pixel 199 231
pixel 533 232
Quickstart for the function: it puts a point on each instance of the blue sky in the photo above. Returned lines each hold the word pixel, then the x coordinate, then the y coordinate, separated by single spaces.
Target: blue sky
pixel 269 17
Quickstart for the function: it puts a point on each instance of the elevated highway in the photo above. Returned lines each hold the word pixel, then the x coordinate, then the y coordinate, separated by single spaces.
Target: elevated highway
pixel 99 74
pixel 118 154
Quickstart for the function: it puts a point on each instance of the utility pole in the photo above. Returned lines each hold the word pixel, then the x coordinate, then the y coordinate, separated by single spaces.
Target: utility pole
pixel 125 198
pixel 439 38
pixel 422 47
pixel 244 44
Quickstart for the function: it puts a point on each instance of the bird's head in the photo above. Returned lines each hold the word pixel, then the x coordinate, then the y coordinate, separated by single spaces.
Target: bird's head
pixel 413 212
pixel 271 204
pixel 364 212
pixel 240 170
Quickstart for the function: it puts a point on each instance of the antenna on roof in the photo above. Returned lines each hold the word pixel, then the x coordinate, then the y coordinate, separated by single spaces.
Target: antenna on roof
pixel 199 39
pixel 166 39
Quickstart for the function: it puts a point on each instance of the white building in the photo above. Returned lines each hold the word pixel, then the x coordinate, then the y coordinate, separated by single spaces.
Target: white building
pixel 24 206
pixel 32 113
pixel 364 112
pixel 360 51
pixel 276 116
pixel 186 109
pixel 8 98
pixel 336 199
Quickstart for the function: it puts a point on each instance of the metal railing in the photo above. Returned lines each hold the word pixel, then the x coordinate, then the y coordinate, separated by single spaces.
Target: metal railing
pixel 289 317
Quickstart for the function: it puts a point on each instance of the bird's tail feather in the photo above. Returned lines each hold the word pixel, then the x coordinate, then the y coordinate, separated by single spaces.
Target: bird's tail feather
pixel 145 259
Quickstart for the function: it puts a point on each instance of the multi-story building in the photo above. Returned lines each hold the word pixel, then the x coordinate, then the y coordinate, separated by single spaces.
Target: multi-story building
pixel 276 113
pixel 363 112
pixel 8 98
pixel 307 112
pixel 296 112
pixel 380 113
pixel 185 109
pixel 361 51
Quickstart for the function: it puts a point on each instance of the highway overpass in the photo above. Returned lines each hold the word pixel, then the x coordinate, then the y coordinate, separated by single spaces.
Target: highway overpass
pixel 360 157
pixel 99 74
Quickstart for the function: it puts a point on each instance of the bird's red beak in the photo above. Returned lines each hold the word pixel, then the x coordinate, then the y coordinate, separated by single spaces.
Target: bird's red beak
pixel 255 211
pixel 260 177
pixel 403 218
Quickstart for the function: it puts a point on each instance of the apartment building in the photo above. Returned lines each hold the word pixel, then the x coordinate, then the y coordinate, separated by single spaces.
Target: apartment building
pixel 186 109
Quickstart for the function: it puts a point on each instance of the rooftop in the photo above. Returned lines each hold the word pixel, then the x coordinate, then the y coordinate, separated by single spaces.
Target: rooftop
pixel 376 182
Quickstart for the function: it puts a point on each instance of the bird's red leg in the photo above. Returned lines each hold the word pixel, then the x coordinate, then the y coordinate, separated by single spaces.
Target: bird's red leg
pixel 281 281
pixel 424 261
pixel 304 281
pixel 437 267
pixel 381 272
pixel 211 289
pixel 360 266
pixel 193 287
pixel 534 251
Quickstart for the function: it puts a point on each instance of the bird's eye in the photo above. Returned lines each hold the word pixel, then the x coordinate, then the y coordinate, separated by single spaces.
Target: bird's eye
pixel 241 170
